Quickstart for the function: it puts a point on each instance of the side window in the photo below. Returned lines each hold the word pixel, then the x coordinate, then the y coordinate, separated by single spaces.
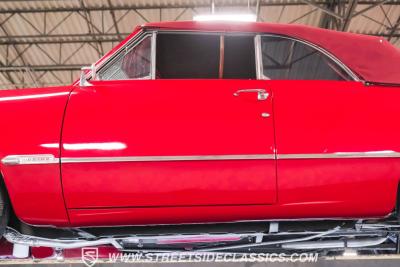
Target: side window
pixel 239 57
pixel 187 56
pixel 205 56
pixel 287 59
pixel 132 63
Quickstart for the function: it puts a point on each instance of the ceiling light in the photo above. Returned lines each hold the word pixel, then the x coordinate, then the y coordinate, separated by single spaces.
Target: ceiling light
pixel 226 17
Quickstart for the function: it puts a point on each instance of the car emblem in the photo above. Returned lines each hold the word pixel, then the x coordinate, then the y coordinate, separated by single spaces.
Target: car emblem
pixel 90 256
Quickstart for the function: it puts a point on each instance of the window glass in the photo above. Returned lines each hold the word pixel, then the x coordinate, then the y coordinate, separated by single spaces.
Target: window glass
pixel 286 59
pixel 205 56
pixel 133 63
pixel 187 56
pixel 239 57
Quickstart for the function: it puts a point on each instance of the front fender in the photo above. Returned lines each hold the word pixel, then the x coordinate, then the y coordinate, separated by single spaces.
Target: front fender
pixel 31 125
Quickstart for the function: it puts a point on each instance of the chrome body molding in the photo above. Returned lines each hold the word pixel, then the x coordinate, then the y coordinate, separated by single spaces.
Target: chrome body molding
pixel 168 158
pixel 340 155
pixel 50 159
pixel 30 159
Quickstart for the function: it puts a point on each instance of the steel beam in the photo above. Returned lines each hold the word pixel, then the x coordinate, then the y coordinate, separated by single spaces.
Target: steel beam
pixel 61 38
pixel 371 7
pixel 326 20
pixel 112 13
pixel 395 27
pixel 349 14
pixel 64 67
pixel 322 8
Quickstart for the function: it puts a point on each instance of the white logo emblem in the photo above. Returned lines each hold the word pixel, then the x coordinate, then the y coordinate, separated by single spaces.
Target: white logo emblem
pixel 90 256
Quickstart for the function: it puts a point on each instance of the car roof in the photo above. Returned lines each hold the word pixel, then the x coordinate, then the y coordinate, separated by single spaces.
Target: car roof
pixel 371 58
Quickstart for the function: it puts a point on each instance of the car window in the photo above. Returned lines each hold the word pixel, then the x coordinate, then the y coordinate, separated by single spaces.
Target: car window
pixel 187 56
pixel 239 57
pixel 205 56
pixel 287 59
pixel 133 63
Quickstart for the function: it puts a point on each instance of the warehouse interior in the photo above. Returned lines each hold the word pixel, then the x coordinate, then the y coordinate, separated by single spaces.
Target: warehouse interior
pixel 95 159
pixel 45 43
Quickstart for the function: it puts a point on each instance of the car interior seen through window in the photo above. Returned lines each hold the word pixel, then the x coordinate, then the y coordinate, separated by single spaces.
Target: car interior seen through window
pixel 287 59
pixel 205 56
pixel 214 56
pixel 133 63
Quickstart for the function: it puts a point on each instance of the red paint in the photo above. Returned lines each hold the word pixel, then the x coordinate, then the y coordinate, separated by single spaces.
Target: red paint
pixel 202 117
pixel 169 118
pixel 6 249
pixel 43 253
pixel 39 253
pixel 30 119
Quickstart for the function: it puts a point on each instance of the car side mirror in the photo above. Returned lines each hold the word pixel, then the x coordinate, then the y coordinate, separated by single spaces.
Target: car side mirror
pixel 83 81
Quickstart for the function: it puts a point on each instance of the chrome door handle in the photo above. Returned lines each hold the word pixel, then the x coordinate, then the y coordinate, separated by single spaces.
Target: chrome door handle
pixel 261 93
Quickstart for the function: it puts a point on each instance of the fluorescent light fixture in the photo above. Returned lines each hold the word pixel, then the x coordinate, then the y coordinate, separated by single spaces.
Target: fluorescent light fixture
pixel 243 17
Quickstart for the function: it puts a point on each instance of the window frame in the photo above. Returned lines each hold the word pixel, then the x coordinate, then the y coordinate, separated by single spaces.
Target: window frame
pixel 260 65
pixel 218 33
pixel 131 44
pixel 135 40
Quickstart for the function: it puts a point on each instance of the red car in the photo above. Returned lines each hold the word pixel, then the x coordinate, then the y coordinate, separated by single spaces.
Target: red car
pixel 194 122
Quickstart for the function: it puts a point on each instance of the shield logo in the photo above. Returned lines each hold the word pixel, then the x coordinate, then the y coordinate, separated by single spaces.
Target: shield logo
pixel 90 256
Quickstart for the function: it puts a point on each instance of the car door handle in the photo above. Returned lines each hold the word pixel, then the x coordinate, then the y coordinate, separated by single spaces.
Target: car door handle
pixel 261 93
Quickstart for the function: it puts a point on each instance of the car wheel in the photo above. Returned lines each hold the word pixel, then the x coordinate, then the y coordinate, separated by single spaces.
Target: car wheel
pixel 4 210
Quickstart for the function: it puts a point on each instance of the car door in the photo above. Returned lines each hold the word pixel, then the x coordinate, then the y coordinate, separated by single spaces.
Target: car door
pixel 143 142
pixel 335 144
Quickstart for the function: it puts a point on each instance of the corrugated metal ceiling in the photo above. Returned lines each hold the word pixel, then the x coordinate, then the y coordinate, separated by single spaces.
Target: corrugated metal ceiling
pixel 63 26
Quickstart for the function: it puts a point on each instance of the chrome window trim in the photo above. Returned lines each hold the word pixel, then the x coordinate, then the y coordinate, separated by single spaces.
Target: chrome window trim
pixel 129 42
pixel 338 62
pixel 257 41
pixel 132 43
pixel 259 66
pixel 153 55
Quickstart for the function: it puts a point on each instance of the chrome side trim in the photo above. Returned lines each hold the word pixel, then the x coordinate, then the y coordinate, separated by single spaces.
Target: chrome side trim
pixel 29 159
pixel 167 158
pixel 339 155
pixel 50 159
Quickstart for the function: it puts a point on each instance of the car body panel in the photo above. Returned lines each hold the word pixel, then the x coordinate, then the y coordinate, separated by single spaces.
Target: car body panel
pixel 364 186
pixel 31 120
pixel 328 149
pixel 337 119
pixel 186 118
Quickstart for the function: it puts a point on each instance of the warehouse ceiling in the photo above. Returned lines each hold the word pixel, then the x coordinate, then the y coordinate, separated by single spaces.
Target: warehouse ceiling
pixel 45 43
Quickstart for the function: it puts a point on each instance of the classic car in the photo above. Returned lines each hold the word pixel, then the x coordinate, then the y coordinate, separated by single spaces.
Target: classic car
pixel 199 122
